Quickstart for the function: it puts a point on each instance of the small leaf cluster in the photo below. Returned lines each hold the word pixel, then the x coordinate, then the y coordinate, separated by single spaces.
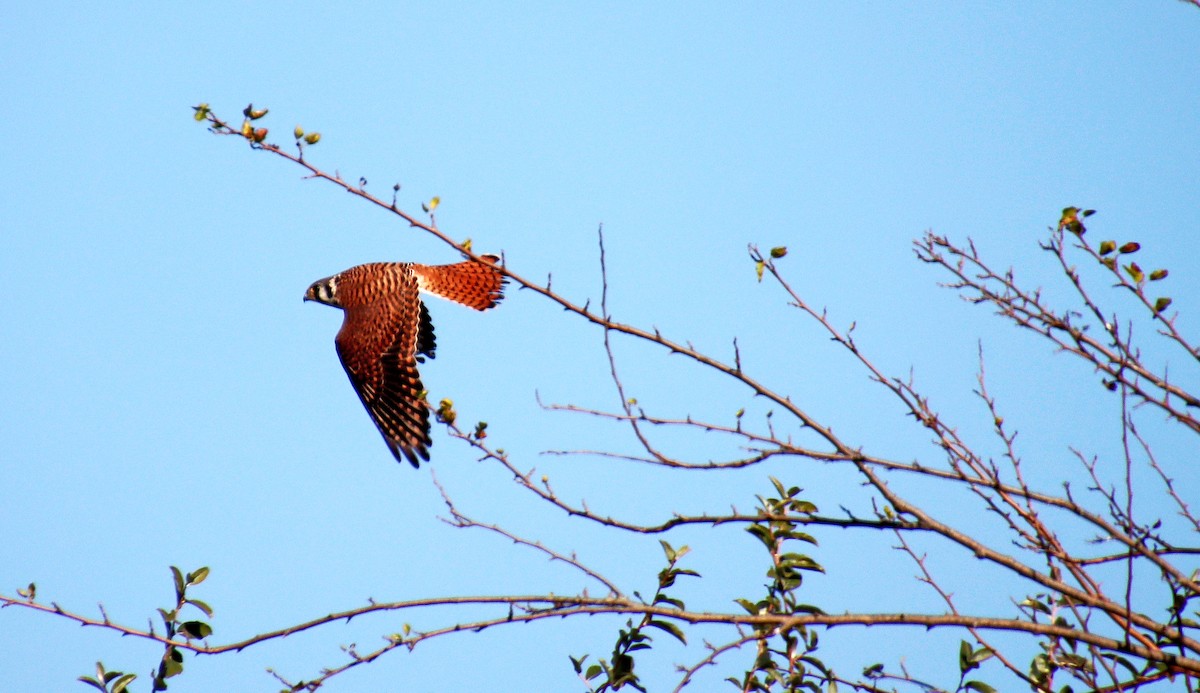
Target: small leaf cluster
pixel 760 263
pixel 250 130
pixel 969 659
pixel 1109 252
pixel 784 660
pixel 619 673
pixel 29 592
pixel 172 661
pixel 1057 652
pixel 302 138
pixel 108 681
pixel 255 135
pixel 445 412
pixel 1072 220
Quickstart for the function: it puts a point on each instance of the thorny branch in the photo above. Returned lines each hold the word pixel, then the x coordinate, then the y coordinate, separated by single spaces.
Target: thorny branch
pixel 1037 555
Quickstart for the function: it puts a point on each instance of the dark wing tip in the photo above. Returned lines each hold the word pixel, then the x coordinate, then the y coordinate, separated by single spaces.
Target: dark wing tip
pixel 414 454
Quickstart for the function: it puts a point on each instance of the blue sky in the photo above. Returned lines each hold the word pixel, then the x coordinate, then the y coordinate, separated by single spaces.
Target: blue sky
pixel 172 401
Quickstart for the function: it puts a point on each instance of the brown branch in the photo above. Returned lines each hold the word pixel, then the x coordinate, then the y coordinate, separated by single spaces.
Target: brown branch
pixel 457 519
pixel 536 607
pixel 1066 575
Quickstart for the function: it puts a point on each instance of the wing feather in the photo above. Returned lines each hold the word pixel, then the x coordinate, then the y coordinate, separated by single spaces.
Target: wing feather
pixel 378 345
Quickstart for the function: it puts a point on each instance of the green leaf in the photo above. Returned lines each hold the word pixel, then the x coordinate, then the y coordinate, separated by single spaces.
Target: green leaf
pixel 622 664
pixel 764 535
pixel 179 586
pixel 779 251
pixel 593 671
pixel 92 682
pixel 758 269
pixel 1158 274
pixel 803 506
pixel 1130 247
pixel 312 137
pixel 1161 304
pixel 197 577
pixel 172 663
pixel 1134 272
pixel 664 599
pixel 195 630
pixel 1107 247
pixel 1035 605
pixel 201 606
pixel 256 114
pixel 670 628
pixel 800 536
pixel 1040 666
pixel 800 562
pixel 979 686
pixel 1117 659
pixel 122 683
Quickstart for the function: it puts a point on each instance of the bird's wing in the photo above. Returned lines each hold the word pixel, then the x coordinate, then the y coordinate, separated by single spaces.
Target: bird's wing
pixel 378 346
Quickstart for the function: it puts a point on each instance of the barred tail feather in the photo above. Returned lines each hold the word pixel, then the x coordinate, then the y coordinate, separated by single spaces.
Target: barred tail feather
pixel 478 285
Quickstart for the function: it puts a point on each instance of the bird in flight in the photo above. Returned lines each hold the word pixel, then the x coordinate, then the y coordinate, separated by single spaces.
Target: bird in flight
pixel 386 331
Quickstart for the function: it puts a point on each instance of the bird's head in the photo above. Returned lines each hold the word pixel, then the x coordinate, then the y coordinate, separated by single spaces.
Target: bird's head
pixel 324 291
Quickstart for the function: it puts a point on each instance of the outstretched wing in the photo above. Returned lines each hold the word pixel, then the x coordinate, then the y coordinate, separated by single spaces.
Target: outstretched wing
pixel 378 346
pixel 478 285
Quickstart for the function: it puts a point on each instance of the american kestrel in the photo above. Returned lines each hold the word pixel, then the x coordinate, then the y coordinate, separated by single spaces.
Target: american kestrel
pixel 386 331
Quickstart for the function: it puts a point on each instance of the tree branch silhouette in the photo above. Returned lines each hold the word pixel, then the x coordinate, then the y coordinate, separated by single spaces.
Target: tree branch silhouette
pixel 1085 611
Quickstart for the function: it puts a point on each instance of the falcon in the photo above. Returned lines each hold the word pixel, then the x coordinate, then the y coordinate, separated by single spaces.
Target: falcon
pixel 386 331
